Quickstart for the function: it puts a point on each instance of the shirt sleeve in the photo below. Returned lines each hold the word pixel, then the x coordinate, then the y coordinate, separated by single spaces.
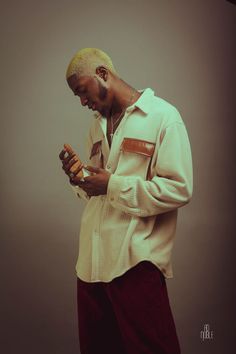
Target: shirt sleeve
pixel 170 188
pixel 80 192
pixel 76 189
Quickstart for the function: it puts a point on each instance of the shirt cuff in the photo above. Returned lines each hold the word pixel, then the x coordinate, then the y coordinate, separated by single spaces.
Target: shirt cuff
pixel 80 192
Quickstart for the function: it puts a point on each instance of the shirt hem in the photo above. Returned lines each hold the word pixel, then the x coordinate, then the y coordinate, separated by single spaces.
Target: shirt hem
pixel 122 272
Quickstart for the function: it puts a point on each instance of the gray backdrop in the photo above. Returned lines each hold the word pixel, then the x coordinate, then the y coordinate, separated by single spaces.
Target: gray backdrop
pixel 184 50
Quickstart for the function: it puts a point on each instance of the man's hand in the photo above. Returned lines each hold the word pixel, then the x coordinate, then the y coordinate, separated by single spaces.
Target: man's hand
pixel 96 184
pixel 68 162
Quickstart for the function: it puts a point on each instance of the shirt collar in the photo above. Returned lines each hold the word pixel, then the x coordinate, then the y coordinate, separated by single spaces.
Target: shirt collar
pixel 143 102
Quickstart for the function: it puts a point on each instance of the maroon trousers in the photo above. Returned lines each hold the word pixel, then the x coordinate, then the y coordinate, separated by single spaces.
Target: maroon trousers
pixel 129 315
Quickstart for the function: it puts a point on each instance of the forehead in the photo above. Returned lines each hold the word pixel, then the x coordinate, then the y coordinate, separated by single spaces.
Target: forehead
pixel 74 81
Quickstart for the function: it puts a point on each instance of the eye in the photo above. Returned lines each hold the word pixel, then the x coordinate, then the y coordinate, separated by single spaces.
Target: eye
pixel 77 90
pixel 80 88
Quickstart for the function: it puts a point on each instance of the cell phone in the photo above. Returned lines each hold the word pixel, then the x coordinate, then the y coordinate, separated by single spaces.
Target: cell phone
pixel 83 172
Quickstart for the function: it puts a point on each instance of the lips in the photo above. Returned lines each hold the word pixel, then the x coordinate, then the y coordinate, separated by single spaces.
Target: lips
pixel 93 106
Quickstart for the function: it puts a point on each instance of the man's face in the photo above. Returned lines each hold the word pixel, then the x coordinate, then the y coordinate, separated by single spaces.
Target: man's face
pixel 91 91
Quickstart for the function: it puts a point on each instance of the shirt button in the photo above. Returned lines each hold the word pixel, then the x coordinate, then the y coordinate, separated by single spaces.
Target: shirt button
pixel 108 166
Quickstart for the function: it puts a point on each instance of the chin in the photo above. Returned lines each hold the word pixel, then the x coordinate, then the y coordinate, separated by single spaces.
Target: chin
pixel 96 114
pixel 101 111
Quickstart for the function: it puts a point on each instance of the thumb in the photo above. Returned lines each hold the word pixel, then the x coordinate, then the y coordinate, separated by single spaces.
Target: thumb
pixel 92 168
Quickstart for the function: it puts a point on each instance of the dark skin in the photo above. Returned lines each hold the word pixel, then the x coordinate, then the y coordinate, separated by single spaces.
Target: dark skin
pixel 96 184
pixel 109 95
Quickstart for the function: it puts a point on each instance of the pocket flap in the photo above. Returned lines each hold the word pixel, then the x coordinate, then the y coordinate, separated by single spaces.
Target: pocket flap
pixel 96 148
pixel 138 146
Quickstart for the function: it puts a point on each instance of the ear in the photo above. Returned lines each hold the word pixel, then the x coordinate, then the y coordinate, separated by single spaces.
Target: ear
pixel 102 72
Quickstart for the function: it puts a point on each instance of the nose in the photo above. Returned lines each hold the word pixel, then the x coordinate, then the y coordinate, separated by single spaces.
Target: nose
pixel 83 101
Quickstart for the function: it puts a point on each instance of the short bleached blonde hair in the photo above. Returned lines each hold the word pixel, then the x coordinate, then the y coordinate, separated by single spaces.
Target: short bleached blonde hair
pixel 87 60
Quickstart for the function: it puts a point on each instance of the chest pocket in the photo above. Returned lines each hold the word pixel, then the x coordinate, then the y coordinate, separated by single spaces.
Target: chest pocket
pixel 136 156
pixel 96 156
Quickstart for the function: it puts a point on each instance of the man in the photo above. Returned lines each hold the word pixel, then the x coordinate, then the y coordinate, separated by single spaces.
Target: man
pixel 141 173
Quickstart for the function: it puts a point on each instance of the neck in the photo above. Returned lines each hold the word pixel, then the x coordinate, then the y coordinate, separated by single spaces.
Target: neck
pixel 124 95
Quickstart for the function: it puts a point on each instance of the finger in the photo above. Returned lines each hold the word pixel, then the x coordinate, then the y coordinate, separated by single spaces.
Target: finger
pixel 66 166
pixel 92 168
pixel 80 183
pixel 83 182
pixel 72 165
pixel 76 168
pixel 77 180
pixel 67 159
pixel 62 154
pixel 90 179
pixel 66 153
pixel 68 148
pixel 72 182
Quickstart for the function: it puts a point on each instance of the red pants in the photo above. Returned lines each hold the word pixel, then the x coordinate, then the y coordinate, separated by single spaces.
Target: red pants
pixel 129 315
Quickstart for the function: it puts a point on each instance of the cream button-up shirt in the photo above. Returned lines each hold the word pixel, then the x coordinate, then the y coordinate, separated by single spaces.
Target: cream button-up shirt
pixel 151 177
